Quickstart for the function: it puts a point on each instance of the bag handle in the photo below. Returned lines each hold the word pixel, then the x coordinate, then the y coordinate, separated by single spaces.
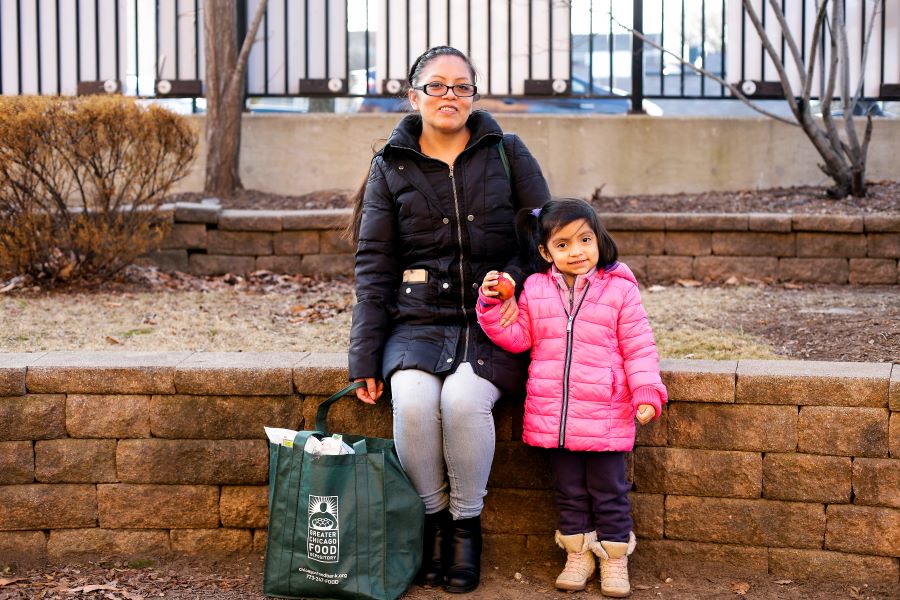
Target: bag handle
pixel 322 412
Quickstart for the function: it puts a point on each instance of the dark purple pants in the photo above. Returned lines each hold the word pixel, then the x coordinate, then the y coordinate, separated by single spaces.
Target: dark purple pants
pixel 592 493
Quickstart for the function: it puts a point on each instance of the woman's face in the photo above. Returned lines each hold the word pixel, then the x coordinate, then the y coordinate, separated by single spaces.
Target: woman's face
pixel 447 113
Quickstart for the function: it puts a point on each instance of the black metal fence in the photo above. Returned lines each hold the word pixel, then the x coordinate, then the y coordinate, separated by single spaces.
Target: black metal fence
pixel 332 48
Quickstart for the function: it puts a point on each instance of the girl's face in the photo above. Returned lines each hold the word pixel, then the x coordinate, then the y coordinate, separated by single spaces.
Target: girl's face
pixel 573 248
pixel 447 113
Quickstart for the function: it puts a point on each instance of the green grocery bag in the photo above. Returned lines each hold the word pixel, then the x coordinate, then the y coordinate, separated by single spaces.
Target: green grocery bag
pixel 340 526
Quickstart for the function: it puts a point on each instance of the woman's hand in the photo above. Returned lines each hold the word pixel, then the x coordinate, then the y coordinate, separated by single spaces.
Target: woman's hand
pixel 372 392
pixel 490 280
pixel 509 312
pixel 645 413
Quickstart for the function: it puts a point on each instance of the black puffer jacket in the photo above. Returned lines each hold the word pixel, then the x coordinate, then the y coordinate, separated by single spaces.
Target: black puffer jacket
pixel 456 223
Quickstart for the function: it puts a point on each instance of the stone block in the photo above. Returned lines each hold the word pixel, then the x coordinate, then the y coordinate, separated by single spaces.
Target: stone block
pixel 639 242
pixel 895 435
pixel 17 547
pixel 806 477
pixel 108 416
pixel 349 415
pixel 876 482
pixel 239 373
pixel 12 371
pixel 688 243
pixel 882 222
pixel 838 245
pixel 520 466
pixel 75 461
pixel 843 431
pixel 32 417
pixel 16 462
pixel 801 382
pixel 335 242
pixel 190 212
pixel 508 415
pixel 638 266
pixel 212 541
pixel 613 221
pixel 748 522
pixel 105 372
pixel 669 268
pixel 244 506
pixel 184 236
pixel 166 260
pixel 863 530
pixel 753 244
pixel 699 380
pixel 720 268
pixel 648 513
pixel 119 542
pixel 698 472
pixel 250 220
pixel 679 558
pixel 519 512
pixel 327 264
pixel 894 389
pixel 706 222
pixel 884 245
pixel 813 270
pixel 733 427
pixel 831 223
pixel 279 264
pixel 779 223
pixel 239 243
pixel 498 546
pixel 324 218
pixel 654 433
pixel 260 537
pixel 821 565
pixel 873 271
pixel 192 461
pixel 222 417
pixel 46 506
pixel 218 264
pixel 321 373
pixel 297 242
pixel 125 506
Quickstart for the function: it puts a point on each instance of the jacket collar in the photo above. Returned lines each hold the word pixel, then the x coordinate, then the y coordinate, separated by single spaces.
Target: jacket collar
pixel 405 135
pixel 580 280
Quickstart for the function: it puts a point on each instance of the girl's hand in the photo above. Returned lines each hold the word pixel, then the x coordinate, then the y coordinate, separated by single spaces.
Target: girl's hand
pixel 372 392
pixel 509 312
pixel 490 280
pixel 645 413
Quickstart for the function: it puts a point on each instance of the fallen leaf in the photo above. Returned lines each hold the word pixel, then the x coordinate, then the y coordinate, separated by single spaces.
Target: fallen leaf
pixel 783 581
pixel 740 588
pixel 111 340
pixel 297 308
pixel 656 288
pixel 4 582
pixel 688 283
pixel 641 586
pixel 91 588
pixel 854 593
pixel 732 281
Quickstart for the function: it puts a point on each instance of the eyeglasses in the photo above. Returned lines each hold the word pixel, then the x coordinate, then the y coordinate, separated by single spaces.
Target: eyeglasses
pixel 436 88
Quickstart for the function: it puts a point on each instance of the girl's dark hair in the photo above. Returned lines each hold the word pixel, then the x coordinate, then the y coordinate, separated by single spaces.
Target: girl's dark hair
pixel 535 226
pixel 415 71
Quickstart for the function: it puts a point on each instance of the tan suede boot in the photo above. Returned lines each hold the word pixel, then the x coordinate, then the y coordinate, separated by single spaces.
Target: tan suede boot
pixel 580 564
pixel 614 566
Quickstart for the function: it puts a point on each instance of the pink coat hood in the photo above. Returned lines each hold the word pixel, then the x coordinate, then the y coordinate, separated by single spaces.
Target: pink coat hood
pixel 588 373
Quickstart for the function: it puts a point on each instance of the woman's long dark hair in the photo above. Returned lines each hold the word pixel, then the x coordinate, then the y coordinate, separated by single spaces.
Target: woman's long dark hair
pixel 534 228
pixel 411 79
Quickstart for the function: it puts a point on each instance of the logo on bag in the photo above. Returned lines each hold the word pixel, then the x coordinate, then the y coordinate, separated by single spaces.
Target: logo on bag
pixel 322 540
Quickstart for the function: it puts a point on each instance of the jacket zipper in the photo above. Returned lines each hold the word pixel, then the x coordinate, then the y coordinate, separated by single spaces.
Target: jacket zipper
pixel 462 282
pixel 569 335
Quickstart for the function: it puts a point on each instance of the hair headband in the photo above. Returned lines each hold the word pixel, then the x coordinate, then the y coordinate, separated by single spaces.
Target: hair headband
pixel 536 212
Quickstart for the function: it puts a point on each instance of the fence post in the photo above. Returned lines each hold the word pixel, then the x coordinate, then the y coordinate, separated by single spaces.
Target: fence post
pixel 637 60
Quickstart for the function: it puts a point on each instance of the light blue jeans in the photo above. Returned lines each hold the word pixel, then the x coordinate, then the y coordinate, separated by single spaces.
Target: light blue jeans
pixel 444 434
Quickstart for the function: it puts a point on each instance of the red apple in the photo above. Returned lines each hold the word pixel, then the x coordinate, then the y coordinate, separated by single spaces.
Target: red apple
pixel 505 286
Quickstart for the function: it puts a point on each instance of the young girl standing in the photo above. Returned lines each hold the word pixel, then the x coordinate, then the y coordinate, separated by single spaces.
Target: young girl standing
pixel 594 368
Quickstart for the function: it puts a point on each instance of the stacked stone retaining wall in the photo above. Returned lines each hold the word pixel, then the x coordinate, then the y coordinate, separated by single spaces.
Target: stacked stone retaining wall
pixel 659 247
pixel 783 467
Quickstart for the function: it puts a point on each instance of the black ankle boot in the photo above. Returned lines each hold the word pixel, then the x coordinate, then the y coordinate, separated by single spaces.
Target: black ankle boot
pixel 438 530
pixel 464 570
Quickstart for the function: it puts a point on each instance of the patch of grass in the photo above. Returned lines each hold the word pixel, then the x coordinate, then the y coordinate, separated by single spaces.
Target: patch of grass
pixel 140 563
pixel 138 331
pixel 698 342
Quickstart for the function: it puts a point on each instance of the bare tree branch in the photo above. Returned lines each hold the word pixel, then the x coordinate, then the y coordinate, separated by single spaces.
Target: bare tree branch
pixel 237 78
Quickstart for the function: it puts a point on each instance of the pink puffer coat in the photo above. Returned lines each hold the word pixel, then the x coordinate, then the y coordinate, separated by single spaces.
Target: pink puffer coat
pixel 584 384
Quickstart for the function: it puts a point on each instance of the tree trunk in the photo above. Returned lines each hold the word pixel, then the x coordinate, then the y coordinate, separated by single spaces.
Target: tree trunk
pixel 225 72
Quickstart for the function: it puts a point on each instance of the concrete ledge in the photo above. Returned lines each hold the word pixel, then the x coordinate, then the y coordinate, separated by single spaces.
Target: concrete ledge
pixel 813 383
pixel 104 372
